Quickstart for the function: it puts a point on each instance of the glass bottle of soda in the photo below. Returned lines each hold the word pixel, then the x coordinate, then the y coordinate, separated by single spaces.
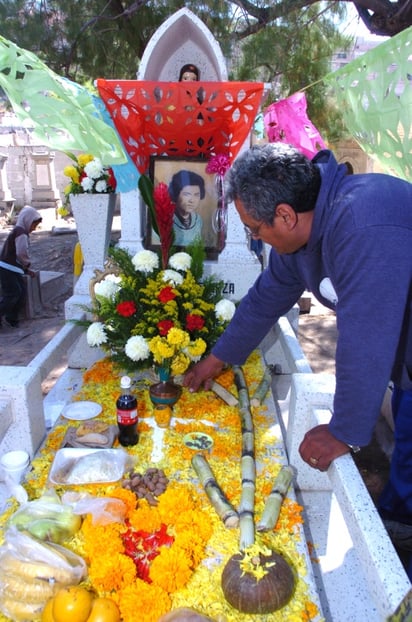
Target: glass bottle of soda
pixel 126 406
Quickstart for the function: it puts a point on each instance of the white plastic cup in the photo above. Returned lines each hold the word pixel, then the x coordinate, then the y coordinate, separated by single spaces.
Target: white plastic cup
pixel 14 465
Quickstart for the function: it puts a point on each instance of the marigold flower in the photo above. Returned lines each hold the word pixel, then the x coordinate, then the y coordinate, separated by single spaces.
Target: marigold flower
pixel 178 337
pixel 196 348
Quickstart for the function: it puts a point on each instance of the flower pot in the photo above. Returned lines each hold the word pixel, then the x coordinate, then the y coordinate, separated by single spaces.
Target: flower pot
pixel 165 392
pixel 93 214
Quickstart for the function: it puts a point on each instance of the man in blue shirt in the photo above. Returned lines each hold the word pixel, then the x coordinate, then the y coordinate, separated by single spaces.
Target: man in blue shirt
pixel 347 239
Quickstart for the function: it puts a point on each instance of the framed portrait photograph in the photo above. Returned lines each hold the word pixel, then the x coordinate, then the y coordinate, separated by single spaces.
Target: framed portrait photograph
pixel 195 195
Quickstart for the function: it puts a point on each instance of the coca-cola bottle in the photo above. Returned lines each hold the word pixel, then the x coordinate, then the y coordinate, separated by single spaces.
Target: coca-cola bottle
pixel 126 406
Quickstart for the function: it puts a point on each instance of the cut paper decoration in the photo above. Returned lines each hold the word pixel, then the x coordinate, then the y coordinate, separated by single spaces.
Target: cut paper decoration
pixel 126 175
pixel 286 121
pixel 60 113
pixel 374 93
pixel 181 119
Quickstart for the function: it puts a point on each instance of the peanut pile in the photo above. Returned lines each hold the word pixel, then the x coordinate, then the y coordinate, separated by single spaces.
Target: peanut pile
pixel 147 486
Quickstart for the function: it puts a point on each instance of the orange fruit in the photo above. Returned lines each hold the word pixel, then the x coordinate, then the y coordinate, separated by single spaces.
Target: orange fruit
pixel 47 613
pixel 104 610
pixel 72 604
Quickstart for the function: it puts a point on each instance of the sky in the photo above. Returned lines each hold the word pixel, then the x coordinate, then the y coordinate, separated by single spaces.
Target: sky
pixel 355 26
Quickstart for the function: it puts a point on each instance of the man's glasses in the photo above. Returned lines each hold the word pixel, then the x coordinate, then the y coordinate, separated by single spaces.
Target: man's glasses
pixel 252 232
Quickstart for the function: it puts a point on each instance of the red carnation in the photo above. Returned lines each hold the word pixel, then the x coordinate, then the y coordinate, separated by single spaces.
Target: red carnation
pixel 194 322
pixel 166 294
pixel 126 308
pixel 164 326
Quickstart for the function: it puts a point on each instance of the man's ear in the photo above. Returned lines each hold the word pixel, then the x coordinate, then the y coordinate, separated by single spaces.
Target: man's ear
pixel 287 215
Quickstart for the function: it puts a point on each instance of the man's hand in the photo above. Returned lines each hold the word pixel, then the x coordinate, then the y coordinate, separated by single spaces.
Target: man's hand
pixel 203 373
pixel 319 448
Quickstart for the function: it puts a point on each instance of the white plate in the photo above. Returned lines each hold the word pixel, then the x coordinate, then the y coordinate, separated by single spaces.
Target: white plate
pixel 80 411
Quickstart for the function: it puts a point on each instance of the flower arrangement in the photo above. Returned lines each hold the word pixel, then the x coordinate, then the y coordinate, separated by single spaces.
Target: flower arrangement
pixel 88 174
pixel 148 316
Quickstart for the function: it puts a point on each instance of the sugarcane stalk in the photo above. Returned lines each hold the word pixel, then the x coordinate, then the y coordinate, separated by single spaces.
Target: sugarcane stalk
pixel 215 494
pixel 224 394
pixel 264 385
pixel 274 501
pixel 248 466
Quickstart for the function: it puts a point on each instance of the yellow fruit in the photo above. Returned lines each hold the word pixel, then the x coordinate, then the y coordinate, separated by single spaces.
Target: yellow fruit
pixel 47 614
pixel 104 610
pixel 72 604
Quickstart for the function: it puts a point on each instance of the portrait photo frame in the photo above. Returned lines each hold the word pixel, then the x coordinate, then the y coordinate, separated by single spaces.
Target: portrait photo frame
pixel 178 173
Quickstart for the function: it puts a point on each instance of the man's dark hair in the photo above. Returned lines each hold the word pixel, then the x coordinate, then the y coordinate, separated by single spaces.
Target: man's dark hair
pixel 185 178
pixel 267 175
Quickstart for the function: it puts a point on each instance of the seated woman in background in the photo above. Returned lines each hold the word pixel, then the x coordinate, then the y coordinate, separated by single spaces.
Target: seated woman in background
pixel 186 190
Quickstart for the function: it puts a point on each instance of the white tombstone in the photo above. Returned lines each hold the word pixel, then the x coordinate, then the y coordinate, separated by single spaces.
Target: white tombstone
pixel 45 191
pixel 183 39
pixel 6 199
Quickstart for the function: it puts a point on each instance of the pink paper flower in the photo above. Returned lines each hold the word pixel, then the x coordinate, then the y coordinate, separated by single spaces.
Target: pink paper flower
pixel 218 164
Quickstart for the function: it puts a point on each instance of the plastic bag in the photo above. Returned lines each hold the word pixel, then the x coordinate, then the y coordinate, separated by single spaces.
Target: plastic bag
pixel 104 510
pixel 72 466
pixel 31 572
pixel 46 518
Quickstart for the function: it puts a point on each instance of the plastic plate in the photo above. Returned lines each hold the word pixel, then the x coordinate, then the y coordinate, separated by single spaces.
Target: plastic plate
pixel 80 411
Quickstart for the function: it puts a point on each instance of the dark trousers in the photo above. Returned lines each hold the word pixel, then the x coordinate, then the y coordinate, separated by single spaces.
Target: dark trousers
pixel 395 502
pixel 13 294
pixel 396 499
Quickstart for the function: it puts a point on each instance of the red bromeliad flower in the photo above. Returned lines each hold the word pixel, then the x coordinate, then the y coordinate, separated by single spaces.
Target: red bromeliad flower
pixel 126 308
pixel 165 209
pixel 166 294
pixel 111 180
pixel 164 326
pixel 142 547
pixel 194 322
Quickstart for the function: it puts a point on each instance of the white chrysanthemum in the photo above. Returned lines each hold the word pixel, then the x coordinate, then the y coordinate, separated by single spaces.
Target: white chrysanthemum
pixel 180 261
pixel 96 335
pixel 101 186
pixel 224 310
pixel 94 169
pixel 145 261
pixel 107 288
pixel 173 277
pixel 87 184
pixel 136 348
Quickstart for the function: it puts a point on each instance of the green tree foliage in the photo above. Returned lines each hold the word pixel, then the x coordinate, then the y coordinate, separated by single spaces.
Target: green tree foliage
pixel 294 53
pixel 286 43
